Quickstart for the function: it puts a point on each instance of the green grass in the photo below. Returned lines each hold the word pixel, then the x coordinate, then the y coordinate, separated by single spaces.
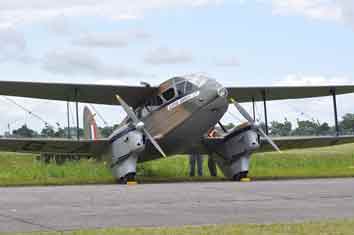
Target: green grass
pixel 345 227
pixel 23 169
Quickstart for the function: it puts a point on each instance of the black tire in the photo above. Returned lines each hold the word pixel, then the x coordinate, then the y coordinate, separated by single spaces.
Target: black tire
pixel 240 176
pixel 127 178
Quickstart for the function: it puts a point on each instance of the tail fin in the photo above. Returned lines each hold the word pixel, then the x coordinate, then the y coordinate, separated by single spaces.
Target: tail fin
pixel 91 131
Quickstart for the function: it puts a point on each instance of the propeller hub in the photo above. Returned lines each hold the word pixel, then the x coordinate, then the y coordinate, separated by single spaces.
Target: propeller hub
pixel 222 92
pixel 140 126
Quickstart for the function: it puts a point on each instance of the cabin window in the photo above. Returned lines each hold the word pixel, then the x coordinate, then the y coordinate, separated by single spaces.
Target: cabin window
pixel 169 94
pixel 189 87
pixel 181 88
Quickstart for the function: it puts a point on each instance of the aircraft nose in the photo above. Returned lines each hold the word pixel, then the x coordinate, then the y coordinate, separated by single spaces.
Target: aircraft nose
pixel 212 91
pixel 222 92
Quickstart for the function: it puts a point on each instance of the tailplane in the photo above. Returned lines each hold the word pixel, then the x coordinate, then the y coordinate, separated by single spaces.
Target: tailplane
pixel 91 131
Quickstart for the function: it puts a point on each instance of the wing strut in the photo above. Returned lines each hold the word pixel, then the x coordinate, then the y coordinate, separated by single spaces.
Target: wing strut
pixel 265 113
pixel 77 114
pixel 333 91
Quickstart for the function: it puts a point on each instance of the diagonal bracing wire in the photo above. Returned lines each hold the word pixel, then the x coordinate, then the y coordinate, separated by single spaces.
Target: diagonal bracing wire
pixel 99 115
pixel 27 110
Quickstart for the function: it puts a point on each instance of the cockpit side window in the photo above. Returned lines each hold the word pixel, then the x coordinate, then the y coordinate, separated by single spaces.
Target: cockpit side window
pixel 169 94
pixel 153 103
pixel 181 88
pixel 190 87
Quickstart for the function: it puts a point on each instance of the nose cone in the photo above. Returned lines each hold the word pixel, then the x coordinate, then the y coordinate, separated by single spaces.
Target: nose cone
pixel 252 140
pixel 212 90
pixel 213 96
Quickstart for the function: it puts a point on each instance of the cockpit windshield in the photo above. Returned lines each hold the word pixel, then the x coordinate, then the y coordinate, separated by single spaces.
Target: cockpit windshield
pixel 185 87
pixel 176 88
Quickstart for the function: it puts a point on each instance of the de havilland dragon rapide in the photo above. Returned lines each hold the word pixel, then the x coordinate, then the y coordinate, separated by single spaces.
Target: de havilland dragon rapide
pixel 172 118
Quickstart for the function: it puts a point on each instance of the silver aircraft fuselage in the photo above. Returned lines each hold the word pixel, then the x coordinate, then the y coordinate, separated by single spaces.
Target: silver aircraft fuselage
pixel 179 120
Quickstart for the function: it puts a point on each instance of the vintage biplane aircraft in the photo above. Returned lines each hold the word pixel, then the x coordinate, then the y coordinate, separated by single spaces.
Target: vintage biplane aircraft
pixel 173 118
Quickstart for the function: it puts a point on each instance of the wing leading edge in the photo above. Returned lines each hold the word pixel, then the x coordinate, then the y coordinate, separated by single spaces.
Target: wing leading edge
pixel 135 95
pixel 247 94
pixel 84 93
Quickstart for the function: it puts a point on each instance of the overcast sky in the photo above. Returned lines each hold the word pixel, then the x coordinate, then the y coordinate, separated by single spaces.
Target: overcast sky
pixel 249 42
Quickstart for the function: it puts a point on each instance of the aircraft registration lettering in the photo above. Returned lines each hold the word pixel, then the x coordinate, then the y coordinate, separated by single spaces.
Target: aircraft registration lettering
pixel 183 100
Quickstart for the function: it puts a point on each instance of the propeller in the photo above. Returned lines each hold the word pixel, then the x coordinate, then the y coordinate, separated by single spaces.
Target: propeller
pixel 139 125
pixel 248 117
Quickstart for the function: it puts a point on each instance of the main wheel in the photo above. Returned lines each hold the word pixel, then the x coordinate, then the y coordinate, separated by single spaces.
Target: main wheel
pixel 240 176
pixel 127 178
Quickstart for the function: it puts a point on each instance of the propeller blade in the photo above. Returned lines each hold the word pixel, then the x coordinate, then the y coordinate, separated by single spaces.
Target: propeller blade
pixel 139 124
pixel 248 117
pixel 269 140
pixel 128 110
pixel 153 141
pixel 243 111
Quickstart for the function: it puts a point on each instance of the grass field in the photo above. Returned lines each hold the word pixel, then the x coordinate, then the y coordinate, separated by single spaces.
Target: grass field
pixel 23 169
pixel 345 227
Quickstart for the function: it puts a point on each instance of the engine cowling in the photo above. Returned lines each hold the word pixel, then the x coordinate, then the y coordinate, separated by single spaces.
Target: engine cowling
pixel 125 151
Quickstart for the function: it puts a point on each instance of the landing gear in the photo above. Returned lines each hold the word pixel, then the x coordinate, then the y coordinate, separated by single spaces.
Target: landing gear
pixel 240 176
pixel 130 177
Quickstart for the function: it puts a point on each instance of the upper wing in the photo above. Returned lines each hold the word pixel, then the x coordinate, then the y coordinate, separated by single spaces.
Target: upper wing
pixel 247 94
pixel 53 146
pixel 86 93
pixel 286 143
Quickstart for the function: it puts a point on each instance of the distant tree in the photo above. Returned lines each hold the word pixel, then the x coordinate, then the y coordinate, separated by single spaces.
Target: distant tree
pixel 312 127
pixel 347 123
pixel 306 127
pixel 24 131
pixel 60 133
pixel 280 129
pixel 323 129
pixel 63 132
pixel 48 131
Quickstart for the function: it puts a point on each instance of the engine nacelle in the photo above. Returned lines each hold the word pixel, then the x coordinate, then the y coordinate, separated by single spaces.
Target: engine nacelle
pixel 232 153
pixel 126 147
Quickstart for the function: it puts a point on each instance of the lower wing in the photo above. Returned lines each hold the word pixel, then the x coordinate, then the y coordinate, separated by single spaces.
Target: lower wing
pixel 286 143
pixel 81 147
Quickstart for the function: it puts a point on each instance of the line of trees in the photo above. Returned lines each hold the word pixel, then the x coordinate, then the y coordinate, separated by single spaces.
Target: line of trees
pixel 276 128
pixel 49 132
pixel 311 127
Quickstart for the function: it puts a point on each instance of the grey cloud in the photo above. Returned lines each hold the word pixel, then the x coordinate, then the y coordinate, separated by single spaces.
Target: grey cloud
pixel 13 46
pixel 110 39
pixel 164 55
pixel 60 25
pixel 229 62
pixel 29 11
pixel 78 62
pixel 347 9
pixel 338 10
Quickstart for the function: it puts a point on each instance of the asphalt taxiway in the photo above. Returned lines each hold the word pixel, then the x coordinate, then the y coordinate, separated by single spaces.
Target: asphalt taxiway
pixel 76 207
